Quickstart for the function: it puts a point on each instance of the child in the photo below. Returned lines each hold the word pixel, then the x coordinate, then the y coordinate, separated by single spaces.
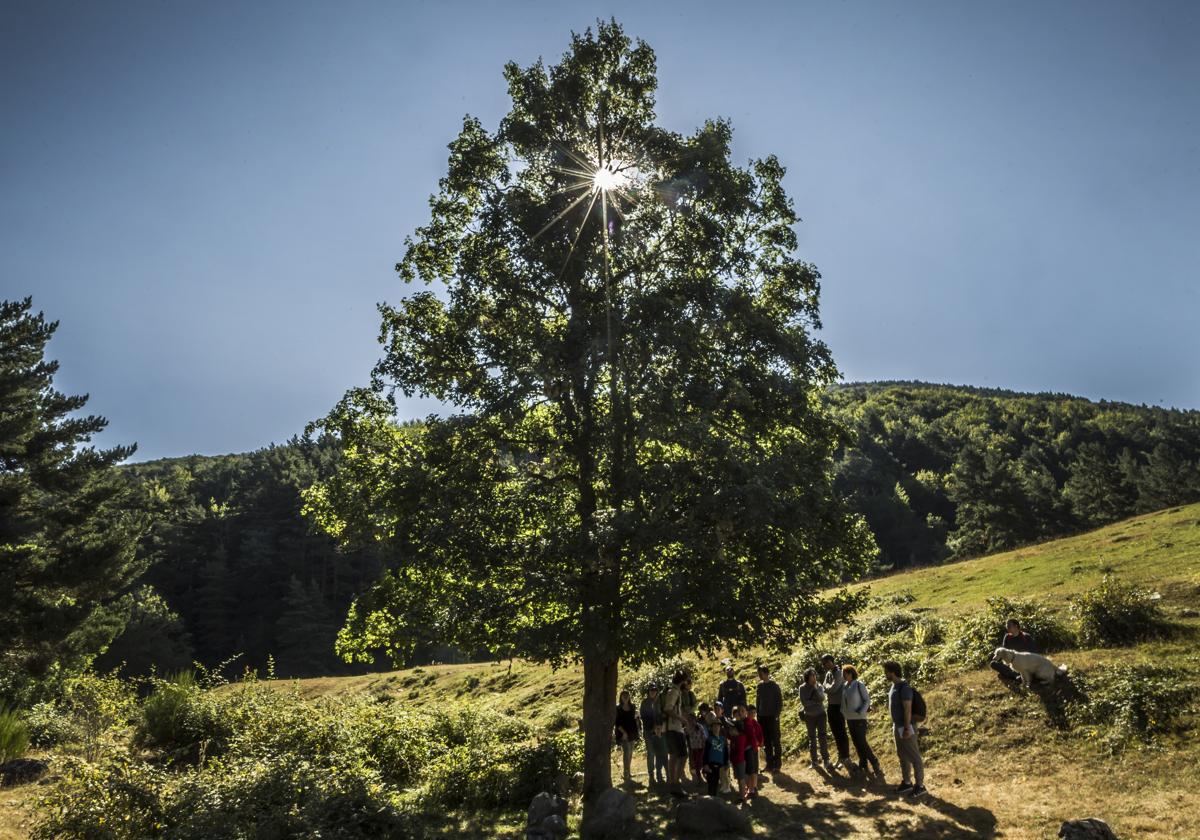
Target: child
pixel 716 757
pixel 697 735
pixel 737 748
pixel 754 740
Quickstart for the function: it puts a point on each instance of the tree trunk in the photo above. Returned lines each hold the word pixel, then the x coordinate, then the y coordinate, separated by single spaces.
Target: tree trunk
pixel 599 717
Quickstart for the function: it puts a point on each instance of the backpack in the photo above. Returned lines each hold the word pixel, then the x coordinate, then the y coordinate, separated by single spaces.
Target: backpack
pixel 918 706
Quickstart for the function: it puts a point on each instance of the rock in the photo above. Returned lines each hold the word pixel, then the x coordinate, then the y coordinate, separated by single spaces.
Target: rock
pixel 1189 613
pixel 1089 829
pixel 709 815
pixel 545 805
pixel 554 825
pixel 21 771
pixel 610 817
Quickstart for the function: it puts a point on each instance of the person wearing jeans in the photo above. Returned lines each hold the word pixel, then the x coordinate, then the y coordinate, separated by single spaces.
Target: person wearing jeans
pixel 908 750
pixel 832 683
pixel 812 699
pixel 652 730
pixel 856 702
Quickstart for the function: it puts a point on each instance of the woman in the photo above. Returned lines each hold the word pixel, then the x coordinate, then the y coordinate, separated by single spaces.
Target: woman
pixel 627 731
pixel 856 702
pixel 812 699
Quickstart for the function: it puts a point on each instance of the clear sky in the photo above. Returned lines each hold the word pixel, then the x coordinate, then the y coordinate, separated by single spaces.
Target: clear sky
pixel 210 196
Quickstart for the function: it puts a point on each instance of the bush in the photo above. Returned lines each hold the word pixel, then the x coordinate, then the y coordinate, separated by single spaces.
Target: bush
pixel 885 624
pixel 14 735
pixel 659 674
pixel 49 725
pixel 491 774
pixel 1116 613
pixel 971 640
pixel 1129 703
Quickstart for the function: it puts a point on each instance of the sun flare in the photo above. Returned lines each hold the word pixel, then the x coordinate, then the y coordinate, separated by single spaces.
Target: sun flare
pixel 609 177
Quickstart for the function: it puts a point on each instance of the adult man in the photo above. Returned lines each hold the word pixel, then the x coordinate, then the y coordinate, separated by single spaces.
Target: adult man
pixel 731 693
pixel 1013 638
pixel 833 682
pixel 900 704
pixel 677 744
pixel 768 697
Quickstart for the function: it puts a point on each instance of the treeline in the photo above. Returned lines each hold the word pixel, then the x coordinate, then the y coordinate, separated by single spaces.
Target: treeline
pixel 948 472
pixel 233 567
pixel 939 472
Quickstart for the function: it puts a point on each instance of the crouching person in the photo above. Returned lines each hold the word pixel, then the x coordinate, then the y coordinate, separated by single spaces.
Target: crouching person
pixel 1013 638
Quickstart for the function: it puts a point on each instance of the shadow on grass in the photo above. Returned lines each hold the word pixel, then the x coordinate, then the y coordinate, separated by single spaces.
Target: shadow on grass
pixel 865 807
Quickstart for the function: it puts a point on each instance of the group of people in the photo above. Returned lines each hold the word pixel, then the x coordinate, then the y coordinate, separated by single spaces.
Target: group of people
pixel 718 743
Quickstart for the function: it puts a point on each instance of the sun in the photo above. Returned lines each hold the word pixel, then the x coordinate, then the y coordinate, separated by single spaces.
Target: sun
pixel 609 177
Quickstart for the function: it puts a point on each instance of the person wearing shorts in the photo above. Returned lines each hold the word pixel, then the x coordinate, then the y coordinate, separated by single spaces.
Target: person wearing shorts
pixel 678 751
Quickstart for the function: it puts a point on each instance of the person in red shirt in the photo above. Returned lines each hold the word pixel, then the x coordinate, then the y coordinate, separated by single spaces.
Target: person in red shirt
pixel 737 748
pixel 754 741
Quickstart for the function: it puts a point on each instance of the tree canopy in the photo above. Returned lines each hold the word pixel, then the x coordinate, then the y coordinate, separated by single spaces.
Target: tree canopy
pixel 639 461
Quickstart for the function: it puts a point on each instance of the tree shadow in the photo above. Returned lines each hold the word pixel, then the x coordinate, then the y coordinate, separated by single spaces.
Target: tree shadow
pixel 870 802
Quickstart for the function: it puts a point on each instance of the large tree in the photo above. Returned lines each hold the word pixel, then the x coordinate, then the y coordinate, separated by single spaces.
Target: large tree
pixel 68 535
pixel 637 461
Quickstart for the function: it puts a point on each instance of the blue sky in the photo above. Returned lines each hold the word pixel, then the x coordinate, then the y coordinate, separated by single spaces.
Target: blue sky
pixel 210 196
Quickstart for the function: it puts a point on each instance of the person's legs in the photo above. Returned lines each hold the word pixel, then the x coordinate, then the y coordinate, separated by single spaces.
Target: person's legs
pixel 771 743
pixel 811 724
pixel 627 757
pixel 913 748
pixel 858 731
pixel 905 757
pixel 649 757
pixel 838 724
pixel 1003 670
pixel 712 775
pixel 823 728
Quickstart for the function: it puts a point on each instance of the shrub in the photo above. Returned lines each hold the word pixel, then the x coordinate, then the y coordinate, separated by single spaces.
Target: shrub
pixel 659 674
pixel 1119 705
pixel 929 630
pixel 490 774
pixel 49 725
pixel 971 640
pixel 885 624
pixel 14 735
pixel 1116 613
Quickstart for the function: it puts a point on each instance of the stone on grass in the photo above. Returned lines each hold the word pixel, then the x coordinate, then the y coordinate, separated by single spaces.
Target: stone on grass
pixel 547 818
pixel 1088 829
pixel 709 815
pixel 610 817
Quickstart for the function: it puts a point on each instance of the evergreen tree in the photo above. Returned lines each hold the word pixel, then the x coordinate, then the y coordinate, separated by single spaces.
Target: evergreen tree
pixel 306 631
pixel 68 537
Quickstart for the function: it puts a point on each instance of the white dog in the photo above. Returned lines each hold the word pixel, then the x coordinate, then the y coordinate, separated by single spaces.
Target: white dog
pixel 1029 665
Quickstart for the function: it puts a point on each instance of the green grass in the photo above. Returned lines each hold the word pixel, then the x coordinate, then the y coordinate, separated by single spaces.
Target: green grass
pixel 1158 550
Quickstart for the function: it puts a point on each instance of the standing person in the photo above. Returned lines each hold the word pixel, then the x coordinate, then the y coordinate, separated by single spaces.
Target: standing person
pixel 856 702
pixel 900 704
pixel 737 749
pixel 768 697
pixel 1013 638
pixel 676 735
pixel 832 683
pixel 754 740
pixel 731 693
pixel 697 735
pixel 626 731
pixel 812 701
pixel 716 755
pixel 652 729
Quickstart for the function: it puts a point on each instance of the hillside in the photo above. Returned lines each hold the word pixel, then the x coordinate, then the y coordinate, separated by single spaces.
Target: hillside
pixel 1001 762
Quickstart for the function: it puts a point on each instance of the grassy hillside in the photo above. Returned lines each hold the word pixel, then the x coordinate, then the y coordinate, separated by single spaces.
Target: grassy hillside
pixel 1001 762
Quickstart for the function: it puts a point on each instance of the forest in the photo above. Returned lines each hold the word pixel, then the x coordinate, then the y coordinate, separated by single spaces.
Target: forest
pixel 235 569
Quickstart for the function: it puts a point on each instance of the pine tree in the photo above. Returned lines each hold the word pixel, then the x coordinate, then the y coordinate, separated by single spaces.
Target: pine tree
pixel 306 630
pixel 68 528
